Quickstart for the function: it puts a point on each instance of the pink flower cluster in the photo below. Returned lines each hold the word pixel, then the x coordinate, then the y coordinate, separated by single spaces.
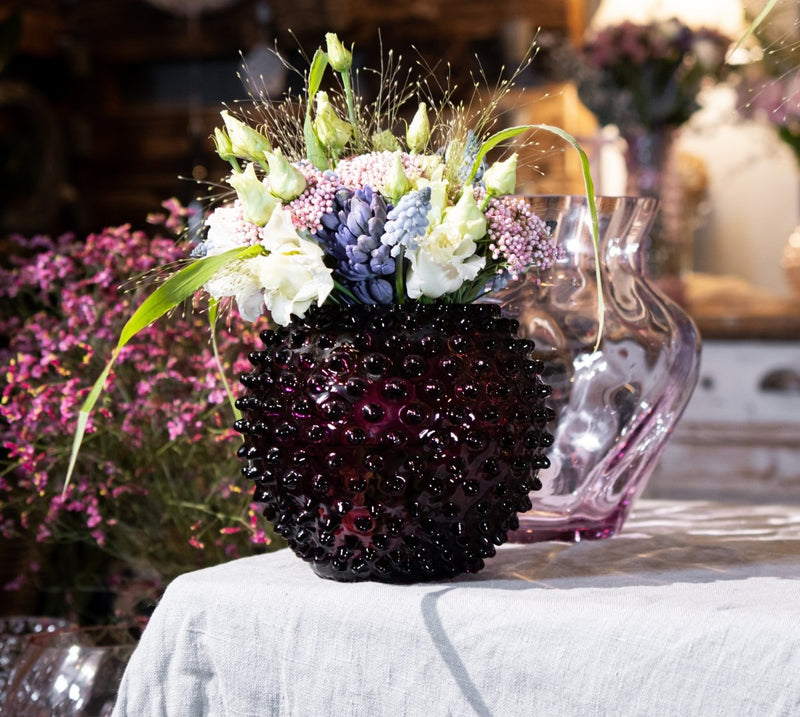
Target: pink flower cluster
pixel 316 199
pixel 171 495
pixel 518 236
pixel 371 170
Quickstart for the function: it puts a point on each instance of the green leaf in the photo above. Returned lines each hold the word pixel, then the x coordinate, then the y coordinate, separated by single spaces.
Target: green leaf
pixel 399 276
pixel 179 287
pixel 588 183
pixel 83 416
pixel 318 64
pixel 493 141
pixel 170 294
pixel 315 150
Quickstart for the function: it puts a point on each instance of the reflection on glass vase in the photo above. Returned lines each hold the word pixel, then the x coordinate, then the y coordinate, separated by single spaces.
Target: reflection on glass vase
pixel 618 403
pixel 15 633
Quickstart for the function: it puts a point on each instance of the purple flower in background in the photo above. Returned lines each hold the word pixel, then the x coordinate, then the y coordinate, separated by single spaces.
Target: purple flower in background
pixel 648 76
pixel 61 309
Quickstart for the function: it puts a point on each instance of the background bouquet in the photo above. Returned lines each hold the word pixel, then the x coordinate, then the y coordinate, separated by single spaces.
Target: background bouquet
pixel 647 76
pixel 155 490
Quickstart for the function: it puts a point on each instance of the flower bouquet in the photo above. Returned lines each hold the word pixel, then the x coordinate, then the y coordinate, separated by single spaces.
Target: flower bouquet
pixel 646 77
pixel 392 426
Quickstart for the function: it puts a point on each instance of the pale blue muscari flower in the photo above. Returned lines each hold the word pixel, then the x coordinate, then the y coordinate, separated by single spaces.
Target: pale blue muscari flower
pixel 408 221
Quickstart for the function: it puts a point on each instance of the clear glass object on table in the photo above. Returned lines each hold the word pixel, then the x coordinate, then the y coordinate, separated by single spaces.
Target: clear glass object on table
pixel 15 632
pixel 71 673
pixel 616 404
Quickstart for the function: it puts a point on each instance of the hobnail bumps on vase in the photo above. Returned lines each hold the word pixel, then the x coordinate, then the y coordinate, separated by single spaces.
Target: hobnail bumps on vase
pixel 395 443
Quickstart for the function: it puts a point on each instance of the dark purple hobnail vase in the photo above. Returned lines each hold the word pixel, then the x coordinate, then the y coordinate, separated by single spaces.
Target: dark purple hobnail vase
pixel 395 443
pixel 617 401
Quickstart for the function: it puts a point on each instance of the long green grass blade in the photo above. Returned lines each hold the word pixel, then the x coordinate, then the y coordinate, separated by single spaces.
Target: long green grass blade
pixel 753 26
pixel 179 287
pixel 83 416
pixel 497 138
pixel 588 183
pixel 212 320
pixel 170 294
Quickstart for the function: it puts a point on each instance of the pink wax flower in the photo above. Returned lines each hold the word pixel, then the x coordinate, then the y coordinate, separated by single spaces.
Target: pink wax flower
pixel 164 430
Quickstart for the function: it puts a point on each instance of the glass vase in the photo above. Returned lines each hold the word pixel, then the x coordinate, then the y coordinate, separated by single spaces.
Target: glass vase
pixel 71 673
pixel 619 388
pixel 15 633
pixel 395 443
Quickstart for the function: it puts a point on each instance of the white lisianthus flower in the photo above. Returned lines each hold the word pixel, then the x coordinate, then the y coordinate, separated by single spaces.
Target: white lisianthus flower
pixel 240 279
pixel 228 229
pixel 296 275
pixel 286 279
pixel 501 177
pixel 243 141
pixel 446 257
pixel 258 203
pixel 285 181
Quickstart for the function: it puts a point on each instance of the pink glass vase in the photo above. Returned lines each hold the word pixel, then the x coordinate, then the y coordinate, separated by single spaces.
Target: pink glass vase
pixel 617 401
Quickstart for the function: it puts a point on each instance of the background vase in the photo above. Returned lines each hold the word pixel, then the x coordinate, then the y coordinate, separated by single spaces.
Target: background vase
pixel 618 404
pixel 654 170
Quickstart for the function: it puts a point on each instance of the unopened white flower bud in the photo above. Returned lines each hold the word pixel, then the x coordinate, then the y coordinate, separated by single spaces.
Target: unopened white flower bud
pixel 245 142
pixel 419 130
pixel 396 184
pixel 339 57
pixel 257 201
pixel 501 177
pixel 332 131
pixel 285 180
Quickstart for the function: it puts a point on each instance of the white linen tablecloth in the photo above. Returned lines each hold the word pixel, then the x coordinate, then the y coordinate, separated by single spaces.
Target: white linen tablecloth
pixel 694 609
